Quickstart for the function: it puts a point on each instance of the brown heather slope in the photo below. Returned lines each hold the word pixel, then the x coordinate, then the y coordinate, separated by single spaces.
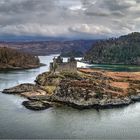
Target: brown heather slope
pixel 117 83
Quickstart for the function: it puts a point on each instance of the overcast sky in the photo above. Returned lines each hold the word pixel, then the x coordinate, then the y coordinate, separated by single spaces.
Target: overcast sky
pixel 69 18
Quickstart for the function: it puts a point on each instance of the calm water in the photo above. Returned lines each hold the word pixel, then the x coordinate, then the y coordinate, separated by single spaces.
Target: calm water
pixel 128 68
pixel 18 122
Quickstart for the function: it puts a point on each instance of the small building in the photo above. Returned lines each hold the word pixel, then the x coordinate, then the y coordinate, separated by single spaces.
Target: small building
pixel 59 66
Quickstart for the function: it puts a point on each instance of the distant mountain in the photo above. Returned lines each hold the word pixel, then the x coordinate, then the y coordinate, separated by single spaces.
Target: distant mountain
pixel 12 59
pixel 30 38
pixel 122 50
pixel 72 53
pixel 49 47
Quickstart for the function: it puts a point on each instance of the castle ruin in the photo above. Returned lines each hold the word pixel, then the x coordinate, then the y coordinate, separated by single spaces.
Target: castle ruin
pixel 59 66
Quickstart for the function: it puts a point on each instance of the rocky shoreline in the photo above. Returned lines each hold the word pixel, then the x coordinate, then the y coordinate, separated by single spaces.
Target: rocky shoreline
pixel 83 90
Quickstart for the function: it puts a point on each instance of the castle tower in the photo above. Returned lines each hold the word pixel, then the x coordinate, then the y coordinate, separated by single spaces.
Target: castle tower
pixel 59 66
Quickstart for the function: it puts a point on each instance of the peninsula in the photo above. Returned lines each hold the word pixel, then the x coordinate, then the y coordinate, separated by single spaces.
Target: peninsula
pixel 81 88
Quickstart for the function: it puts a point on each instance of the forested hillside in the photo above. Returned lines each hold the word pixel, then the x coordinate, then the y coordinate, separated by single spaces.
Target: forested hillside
pixel 122 50
pixel 12 59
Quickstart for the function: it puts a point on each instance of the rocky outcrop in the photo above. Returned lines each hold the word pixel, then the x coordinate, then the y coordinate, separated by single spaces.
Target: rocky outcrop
pixel 85 89
pixel 135 98
pixel 85 97
pixel 37 98
pixel 21 89
pixel 36 105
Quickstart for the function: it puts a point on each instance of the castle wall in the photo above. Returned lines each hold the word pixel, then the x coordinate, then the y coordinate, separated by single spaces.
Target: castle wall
pixel 67 67
pixel 51 67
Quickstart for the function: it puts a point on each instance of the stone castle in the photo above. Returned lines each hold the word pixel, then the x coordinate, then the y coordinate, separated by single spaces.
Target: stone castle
pixel 59 66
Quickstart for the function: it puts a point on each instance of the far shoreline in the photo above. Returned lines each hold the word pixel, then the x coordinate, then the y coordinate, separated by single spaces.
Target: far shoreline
pixel 21 68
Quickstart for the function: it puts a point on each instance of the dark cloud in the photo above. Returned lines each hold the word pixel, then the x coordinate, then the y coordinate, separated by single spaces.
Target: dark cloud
pixel 115 5
pixel 73 18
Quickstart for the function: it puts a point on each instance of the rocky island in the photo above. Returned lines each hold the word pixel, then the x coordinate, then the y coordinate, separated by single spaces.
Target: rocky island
pixel 13 60
pixel 64 84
